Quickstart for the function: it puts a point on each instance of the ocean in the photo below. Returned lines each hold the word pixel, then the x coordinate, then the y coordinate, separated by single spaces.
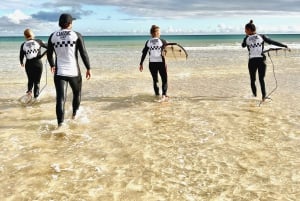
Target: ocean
pixel 211 141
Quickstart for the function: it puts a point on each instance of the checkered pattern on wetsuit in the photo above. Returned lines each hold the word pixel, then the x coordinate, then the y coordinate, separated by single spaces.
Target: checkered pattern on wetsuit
pixel 155 48
pixel 32 51
pixel 255 45
pixel 64 44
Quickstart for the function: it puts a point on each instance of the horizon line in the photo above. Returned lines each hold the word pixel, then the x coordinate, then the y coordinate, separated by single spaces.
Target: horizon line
pixel 169 34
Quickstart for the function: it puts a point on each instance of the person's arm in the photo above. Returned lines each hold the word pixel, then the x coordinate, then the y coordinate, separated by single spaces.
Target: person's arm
pixel 21 55
pixel 164 44
pixel 144 54
pixel 272 42
pixel 44 45
pixel 244 44
pixel 50 51
pixel 84 55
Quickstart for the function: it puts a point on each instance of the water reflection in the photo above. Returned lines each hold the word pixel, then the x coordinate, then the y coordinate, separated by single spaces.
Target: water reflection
pixel 206 143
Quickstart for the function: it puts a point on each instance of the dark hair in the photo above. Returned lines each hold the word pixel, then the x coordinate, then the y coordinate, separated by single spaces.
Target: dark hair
pixel 65 20
pixel 153 29
pixel 250 26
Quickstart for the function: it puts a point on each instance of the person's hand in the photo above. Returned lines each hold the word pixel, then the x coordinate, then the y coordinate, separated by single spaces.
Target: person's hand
pixel 88 74
pixel 22 65
pixel 141 68
pixel 53 69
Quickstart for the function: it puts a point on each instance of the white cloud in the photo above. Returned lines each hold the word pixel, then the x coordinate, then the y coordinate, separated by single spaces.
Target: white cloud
pixel 136 16
pixel 17 16
pixel 193 8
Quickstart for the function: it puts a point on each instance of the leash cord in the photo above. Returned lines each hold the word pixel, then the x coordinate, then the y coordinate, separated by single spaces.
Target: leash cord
pixel 46 75
pixel 276 84
pixel 273 66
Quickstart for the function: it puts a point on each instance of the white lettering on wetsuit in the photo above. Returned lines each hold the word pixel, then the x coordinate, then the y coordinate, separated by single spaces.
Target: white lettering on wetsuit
pixel 63 34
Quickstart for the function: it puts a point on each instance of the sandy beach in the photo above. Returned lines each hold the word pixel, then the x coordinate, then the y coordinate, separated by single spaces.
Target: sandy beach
pixel 210 141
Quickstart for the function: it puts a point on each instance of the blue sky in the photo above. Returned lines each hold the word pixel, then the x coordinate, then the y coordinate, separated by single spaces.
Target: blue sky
pixel 119 17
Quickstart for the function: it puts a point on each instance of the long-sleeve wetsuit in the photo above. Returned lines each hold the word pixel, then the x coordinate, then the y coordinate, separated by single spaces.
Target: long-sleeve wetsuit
pixel 31 49
pixel 157 63
pixel 66 44
pixel 255 45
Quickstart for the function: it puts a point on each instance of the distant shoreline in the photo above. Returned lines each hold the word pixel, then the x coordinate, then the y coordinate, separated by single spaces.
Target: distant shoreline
pixel 190 36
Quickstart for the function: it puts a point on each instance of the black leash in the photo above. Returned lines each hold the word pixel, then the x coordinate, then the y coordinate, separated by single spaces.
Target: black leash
pixel 273 66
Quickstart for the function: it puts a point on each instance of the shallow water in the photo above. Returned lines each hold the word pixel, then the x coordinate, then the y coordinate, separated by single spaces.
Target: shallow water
pixel 210 141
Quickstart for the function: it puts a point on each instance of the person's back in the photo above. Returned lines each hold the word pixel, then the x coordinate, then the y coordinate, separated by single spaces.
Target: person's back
pixel 64 43
pixel 31 50
pixel 255 45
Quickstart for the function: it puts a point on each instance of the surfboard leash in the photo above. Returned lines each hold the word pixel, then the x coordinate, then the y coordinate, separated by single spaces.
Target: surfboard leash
pixel 273 67
pixel 46 77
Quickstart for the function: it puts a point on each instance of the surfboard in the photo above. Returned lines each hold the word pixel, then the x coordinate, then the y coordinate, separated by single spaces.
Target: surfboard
pixel 163 100
pixel 174 52
pixel 28 100
pixel 25 99
pixel 267 100
pixel 61 131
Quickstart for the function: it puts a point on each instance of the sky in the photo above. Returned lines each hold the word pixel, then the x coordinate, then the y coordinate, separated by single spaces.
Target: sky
pixel 135 17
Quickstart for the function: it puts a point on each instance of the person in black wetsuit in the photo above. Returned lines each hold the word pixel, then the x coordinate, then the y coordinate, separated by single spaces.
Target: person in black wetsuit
pixel 66 44
pixel 31 50
pixel 157 63
pixel 255 44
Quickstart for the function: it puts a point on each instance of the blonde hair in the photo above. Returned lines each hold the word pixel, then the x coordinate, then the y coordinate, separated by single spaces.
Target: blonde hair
pixel 28 34
pixel 153 29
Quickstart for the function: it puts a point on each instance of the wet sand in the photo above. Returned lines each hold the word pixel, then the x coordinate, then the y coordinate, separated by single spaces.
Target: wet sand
pixel 210 141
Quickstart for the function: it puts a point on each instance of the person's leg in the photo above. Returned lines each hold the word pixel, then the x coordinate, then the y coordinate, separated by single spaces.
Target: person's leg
pixel 164 78
pixel 37 74
pixel 252 72
pixel 29 74
pixel 261 74
pixel 154 73
pixel 76 85
pixel 61 92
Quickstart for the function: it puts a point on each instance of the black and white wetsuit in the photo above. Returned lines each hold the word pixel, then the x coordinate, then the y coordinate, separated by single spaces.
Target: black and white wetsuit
pixel 31 49
pixel 66 44
pixel 255 45
pixel 157 63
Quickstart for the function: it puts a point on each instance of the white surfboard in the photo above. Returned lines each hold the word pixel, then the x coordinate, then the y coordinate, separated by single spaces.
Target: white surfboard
pixel 26 99
pixel 174 52
pixel 61 131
